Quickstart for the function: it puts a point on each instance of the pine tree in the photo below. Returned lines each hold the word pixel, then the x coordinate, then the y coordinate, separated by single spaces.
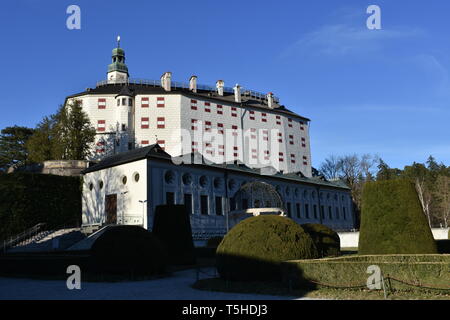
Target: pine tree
pixel 13 151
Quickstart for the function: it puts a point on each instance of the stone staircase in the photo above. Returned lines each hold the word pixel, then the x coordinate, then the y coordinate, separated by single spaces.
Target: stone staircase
pixel 50 240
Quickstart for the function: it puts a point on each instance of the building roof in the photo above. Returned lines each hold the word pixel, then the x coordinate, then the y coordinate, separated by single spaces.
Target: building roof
pixel 140 89
pixel 154 151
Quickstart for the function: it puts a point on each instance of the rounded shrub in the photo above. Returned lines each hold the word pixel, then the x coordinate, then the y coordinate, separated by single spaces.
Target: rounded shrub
pixel 326 239
pixel 214 242
pixel 128 250
pixel 392 220
pixel 255 247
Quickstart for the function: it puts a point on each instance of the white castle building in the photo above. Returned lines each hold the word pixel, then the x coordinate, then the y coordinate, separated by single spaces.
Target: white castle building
pixel 184 117
pixel 242 153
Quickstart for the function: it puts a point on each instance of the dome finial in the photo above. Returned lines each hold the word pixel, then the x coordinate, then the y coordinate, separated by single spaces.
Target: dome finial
pixel 118 41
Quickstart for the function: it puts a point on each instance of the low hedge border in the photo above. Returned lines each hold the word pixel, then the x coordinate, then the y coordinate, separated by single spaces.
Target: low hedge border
pixel 408 272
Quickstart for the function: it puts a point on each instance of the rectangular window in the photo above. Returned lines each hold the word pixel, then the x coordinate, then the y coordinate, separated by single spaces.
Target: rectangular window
pixel 305 160
pixel 144 142
pixel 289 122
pixel 194 124
pixel 303 142
pixel 263 117
pixel 188 203
pixel 170 198
pixel 315 211
pixel 322 212
pixel 208 126
pixel 145 123
pixel 130 102
pixel 302 126
pixel 219 210
pixel 101 125
pixel 124 127
pixel 207 107
pixel 280 137
pixel 292 158
pixel 297 207
pixel 161 123
pixel 235 130
pixel 144 102
pixel 193 104
pixel 162 144
pixel 219 109
pixel 194 146
pixel 289 213
pixel 221 150
pixel 266 155
pixel 306 211
pixel 244 204
pixel 102 103
pixel 330 213
pixel 232 203
pixel 252 115
pixel 291 139
pixel 233 112
pixel 204 205
pixel 124 101
pixel 160 102
pixel 220 128
pixel 265 135
pixel 337 213
pixel 344 213
pixel 278 120
pixel 281 157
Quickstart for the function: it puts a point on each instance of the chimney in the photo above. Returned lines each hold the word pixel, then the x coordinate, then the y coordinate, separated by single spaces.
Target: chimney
pixel 237 93
pixel 219 86
pixel 193 84
pixel 270 100
pixel 165 80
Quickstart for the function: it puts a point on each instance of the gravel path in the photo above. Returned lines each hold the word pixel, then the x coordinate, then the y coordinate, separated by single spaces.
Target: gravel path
pixel 176 287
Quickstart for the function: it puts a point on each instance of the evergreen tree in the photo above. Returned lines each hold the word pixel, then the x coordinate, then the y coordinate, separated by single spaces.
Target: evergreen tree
pixel 41 144
pixel 13 149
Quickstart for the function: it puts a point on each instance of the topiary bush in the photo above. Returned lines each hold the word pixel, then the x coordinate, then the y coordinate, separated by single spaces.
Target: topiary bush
pixel 128 250
pixel 326 239
pixel 255 247
pixel 392 220
pixel 214 242
pixel 172 226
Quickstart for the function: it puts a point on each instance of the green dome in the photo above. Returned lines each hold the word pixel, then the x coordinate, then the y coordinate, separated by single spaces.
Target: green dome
pixel 118 52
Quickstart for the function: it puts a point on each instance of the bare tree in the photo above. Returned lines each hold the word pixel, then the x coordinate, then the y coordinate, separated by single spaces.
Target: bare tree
pixel 330 168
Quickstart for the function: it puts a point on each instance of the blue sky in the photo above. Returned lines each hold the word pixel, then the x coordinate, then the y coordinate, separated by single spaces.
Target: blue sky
pixel 367 91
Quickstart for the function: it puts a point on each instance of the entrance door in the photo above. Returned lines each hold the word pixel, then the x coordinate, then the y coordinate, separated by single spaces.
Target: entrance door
pixel 111 208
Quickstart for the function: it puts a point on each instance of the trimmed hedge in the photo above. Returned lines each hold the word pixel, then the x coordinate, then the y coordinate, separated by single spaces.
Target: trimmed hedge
pixel 255 247
pixel 27 199
pixel 172 226
pixel 128 250
pixel 392 221
pixel 424 270
pixel 326 239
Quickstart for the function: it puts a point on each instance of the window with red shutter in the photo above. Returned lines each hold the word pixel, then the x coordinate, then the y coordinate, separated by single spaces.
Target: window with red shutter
pixel 160 102
pixel 101 103
pixel 144 102
pixel 145 124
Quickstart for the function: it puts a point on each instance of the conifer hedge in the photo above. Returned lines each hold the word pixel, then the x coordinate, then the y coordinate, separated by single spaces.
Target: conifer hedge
pixel 27 199
pixel 326 239
pixel 255 247
pixel 172 226
pixel 392 220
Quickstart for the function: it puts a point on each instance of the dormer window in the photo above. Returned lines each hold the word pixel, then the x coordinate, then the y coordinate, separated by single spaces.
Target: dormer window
pixel 124 101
